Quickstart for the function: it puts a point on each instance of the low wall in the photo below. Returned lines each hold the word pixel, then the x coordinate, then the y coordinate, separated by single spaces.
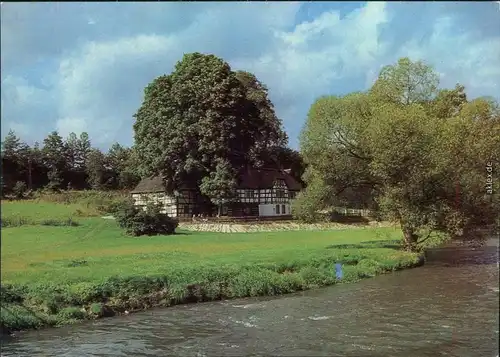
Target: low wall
pixel 245 227
pixel 244 219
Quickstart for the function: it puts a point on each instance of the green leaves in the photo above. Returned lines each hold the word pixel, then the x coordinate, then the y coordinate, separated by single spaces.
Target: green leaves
pixel 96 170
pixel 220 185
pixel 423 152
pixel 406 83
pixel 200 114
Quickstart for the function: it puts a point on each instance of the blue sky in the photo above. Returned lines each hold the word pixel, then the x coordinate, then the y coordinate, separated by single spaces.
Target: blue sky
pixel 83 66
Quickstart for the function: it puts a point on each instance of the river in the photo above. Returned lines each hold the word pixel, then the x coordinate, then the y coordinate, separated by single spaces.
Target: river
pixel 449 307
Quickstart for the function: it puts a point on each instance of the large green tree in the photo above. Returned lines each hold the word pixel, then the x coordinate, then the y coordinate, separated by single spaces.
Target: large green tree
pixel 199 115
pixel 421 152
pixel 261 120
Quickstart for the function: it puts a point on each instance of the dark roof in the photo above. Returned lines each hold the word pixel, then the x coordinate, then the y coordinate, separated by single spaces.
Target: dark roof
pixel 249 179
pixel 264 178
pixel 149 185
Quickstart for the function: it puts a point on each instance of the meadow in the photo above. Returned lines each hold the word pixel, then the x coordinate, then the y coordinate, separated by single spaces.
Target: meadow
pixel 83 267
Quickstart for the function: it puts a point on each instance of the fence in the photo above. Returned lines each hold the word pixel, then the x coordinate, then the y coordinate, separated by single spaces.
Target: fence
pixel 353 211
pixel 344 211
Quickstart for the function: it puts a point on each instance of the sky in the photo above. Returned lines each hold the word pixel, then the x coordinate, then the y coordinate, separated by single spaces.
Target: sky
pixel 76 67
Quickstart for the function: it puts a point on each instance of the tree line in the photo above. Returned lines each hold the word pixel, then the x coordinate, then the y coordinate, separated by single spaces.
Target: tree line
pixel 200 126
pixel 419 155
pixel 424 156
pixel 70 163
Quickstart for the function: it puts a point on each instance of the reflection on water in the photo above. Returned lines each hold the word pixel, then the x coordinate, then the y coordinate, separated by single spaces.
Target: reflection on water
pixel 449 307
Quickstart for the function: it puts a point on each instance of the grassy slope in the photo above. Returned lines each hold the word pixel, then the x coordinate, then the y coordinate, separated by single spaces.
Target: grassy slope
pixel 34 253
pixel 56 270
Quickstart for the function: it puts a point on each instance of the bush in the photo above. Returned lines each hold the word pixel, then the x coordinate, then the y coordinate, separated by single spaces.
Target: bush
pixel 100 310
pixel 148 221
pixel 16 317
pixel 12 294
pixel 71 313
pixel 19 189
pixel 59 223
pixel 15 221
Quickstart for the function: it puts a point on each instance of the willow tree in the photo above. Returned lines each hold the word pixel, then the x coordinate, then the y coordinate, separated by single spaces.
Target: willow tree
pixel 422 152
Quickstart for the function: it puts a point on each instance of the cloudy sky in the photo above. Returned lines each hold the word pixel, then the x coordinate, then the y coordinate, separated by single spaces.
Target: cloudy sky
pixel 83 66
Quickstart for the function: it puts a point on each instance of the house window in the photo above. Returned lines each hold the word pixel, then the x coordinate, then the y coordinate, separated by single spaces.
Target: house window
pixel 280 193
pixel 249 194
pixel 283 211
pixel 186 209
pixel 277 209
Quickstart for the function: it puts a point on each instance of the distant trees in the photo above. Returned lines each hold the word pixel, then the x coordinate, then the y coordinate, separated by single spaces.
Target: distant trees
pixel 421 153
pixel 61 164
pixel 198 126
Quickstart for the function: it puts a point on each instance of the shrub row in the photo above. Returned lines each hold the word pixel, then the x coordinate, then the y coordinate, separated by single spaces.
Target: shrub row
pixel 18 221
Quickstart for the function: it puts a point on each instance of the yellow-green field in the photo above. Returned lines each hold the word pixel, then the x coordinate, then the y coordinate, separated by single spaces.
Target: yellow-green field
pixel 54 270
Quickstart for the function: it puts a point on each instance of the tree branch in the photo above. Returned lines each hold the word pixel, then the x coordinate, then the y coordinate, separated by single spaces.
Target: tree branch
pixel 349 146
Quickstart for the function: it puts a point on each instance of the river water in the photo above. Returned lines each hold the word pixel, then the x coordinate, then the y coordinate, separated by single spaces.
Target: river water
pixel 449 307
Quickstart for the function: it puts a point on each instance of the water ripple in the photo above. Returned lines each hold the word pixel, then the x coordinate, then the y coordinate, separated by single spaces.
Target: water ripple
pixel 447 308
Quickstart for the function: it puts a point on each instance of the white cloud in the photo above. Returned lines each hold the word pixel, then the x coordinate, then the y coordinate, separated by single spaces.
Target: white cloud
pixel 22 101
pixel 100 77
pixel 459 57
pixel 101 85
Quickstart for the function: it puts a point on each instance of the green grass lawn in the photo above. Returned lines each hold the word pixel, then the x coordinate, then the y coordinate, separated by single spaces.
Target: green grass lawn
pixel 40 253
pixel 54 268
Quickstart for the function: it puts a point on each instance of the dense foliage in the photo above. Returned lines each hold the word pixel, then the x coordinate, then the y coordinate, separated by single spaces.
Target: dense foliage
pixel 64 164
pixel 203 123
pixel 149 221
pixel 421 153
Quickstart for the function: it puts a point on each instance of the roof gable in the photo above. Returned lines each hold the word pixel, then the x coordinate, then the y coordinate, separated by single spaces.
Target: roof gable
pixel 150 185
pixel 265 178
pixel 249 179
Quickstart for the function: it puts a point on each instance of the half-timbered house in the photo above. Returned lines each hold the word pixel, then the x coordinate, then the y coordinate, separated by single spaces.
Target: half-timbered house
pixel 260 192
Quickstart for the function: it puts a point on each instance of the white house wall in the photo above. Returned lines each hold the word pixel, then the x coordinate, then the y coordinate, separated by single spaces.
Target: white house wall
pixel 267 210
pixel 267 199
pixel 167 202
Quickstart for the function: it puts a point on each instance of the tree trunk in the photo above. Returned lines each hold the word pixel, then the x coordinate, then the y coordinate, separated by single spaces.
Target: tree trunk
pixel 410 238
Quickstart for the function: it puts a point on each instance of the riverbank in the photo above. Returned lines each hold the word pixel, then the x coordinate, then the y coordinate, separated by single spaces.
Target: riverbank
pixel 58 274
pixel 81 273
